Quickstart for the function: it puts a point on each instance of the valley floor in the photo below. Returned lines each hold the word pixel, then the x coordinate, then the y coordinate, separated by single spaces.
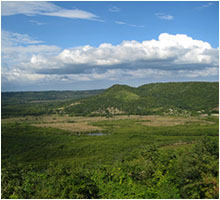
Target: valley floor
pixel 80 124
pixel 136 156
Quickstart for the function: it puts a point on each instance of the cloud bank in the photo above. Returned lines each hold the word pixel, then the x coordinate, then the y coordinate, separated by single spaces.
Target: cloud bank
pixel 27 60
pixel 169 52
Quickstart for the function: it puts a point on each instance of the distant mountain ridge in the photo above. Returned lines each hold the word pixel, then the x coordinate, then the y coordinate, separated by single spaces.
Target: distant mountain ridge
pixel 30 96
pixel 154 98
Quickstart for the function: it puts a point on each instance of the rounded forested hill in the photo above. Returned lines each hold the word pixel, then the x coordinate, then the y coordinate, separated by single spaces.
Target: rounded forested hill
pixel 154 98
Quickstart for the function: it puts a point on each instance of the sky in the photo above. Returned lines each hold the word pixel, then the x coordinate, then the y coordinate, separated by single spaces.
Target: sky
pixel 92 45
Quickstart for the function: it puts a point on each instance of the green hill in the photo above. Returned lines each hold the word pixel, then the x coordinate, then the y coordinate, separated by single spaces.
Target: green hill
pixel 155 98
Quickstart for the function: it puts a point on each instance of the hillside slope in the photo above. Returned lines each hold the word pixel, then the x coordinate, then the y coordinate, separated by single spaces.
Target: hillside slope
pixel 155 98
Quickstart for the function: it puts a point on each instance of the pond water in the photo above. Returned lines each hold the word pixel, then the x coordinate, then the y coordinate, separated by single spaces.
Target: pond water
pixel 97 134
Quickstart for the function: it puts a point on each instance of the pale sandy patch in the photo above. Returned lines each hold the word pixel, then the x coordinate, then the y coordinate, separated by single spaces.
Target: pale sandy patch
pixel 73 127
pixel 154 120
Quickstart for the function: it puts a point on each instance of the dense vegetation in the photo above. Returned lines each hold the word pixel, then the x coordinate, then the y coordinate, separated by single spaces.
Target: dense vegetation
pixel 155 98
pixel 134 161
pixel 131 159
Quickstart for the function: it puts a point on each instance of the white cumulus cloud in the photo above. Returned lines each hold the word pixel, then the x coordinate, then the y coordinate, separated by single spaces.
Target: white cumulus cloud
pixel 169 50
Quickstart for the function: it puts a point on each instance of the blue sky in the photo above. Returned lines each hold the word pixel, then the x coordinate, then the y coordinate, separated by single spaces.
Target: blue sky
pixel 91 45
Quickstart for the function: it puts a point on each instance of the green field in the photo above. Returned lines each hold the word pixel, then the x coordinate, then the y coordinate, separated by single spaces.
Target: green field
pixel 133 156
